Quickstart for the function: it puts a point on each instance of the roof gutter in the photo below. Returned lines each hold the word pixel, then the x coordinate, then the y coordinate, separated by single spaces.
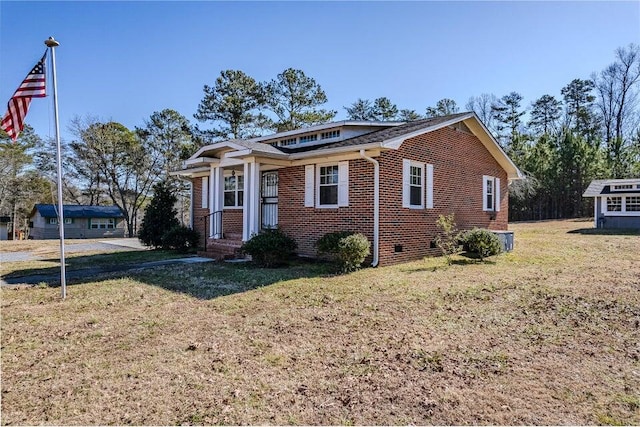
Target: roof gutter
pixel 376 207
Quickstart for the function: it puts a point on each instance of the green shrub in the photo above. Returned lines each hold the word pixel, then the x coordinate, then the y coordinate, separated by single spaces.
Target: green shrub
pixel 270 248
pixel 482 242
pixel 347 248
pixel 329 244
pixel 180 238
pixel 448 237
pixel 352 251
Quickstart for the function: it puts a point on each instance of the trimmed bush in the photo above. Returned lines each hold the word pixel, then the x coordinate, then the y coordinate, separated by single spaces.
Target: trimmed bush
pixel 180 238
pixel 329 244
pixel 347 248
pixel 482 242
pixel 270 248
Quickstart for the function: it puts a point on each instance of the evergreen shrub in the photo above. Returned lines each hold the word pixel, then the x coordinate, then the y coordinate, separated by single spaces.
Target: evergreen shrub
pixel 270 248
pixel 346 248
pixel 180 238
pixel 482 242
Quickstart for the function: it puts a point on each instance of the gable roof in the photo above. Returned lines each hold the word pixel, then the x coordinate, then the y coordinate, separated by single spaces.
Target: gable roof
pixel 603 186
pixel 389 137
pixel 78 211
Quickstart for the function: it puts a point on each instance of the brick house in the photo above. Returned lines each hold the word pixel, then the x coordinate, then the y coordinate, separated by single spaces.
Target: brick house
pixel 387 180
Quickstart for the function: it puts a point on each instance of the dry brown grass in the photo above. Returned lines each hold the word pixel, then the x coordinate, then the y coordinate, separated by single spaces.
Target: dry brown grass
pixel 40 246
pixel 548 334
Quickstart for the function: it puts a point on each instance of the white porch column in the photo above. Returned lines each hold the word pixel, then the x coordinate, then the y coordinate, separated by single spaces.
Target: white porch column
pixel 212 188
pixel 254 203
pixel 246 198
pixel 217 194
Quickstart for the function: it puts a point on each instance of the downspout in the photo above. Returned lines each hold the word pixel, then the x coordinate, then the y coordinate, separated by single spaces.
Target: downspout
pixel 376 206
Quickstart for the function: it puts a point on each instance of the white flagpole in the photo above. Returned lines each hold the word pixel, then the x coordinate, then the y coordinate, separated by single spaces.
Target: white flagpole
pixel 52 44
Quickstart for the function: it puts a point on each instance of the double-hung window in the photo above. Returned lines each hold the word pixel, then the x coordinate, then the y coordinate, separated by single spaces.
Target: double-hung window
pixel 417 180
pixel 233 191
pixel 326 185
pixel 490 193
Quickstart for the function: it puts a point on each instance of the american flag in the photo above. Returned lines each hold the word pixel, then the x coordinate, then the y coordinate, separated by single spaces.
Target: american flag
pixel 33 86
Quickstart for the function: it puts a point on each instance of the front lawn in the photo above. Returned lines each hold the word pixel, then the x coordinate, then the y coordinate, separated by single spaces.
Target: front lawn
pixel 547 334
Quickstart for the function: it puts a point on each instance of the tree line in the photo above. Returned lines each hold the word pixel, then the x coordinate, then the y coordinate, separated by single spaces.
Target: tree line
pixel 560 144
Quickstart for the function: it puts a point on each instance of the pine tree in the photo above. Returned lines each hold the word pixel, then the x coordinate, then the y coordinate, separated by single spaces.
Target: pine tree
pixel 160 216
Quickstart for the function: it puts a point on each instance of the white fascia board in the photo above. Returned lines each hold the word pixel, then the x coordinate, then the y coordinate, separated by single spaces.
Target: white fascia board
pixel 337 150
pixel 192 172
pixel 216 146
pixel 250 152
pixel 201 161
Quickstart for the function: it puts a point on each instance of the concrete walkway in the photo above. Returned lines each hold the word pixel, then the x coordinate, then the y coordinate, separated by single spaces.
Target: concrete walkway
pixel 91 272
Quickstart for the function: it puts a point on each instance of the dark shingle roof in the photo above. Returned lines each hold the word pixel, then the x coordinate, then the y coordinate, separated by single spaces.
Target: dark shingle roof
pixel 80 211
pixel 379 135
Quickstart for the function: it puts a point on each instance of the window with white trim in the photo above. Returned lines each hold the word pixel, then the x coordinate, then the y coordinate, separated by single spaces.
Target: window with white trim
pixel 622 187
pixel 614 204
pixel 632 204
pixel 53 221
pixel 326 185
pixel 490 193
pixel 233 191
pixel 102 223
pixel 417 185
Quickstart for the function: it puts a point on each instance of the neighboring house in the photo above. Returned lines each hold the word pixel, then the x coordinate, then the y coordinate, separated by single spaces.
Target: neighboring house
pixel 616 204
pixel 4 227
pixel 387 180
pixel 80 222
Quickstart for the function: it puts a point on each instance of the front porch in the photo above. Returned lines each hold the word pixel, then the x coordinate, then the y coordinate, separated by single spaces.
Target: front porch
pixel 238 202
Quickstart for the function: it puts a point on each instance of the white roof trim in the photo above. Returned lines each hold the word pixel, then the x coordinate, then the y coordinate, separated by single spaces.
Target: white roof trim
pixel 217 146
pixel 200 160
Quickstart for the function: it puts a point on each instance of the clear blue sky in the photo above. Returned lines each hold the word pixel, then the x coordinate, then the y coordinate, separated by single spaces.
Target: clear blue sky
pixel 125 60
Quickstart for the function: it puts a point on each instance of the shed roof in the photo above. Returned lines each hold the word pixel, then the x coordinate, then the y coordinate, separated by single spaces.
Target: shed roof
pixel 79 211
pixel 603 186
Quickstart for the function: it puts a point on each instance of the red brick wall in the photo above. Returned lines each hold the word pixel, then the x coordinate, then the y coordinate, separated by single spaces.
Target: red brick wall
pixel 232 221
pixel 307 225
pixel 459 160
